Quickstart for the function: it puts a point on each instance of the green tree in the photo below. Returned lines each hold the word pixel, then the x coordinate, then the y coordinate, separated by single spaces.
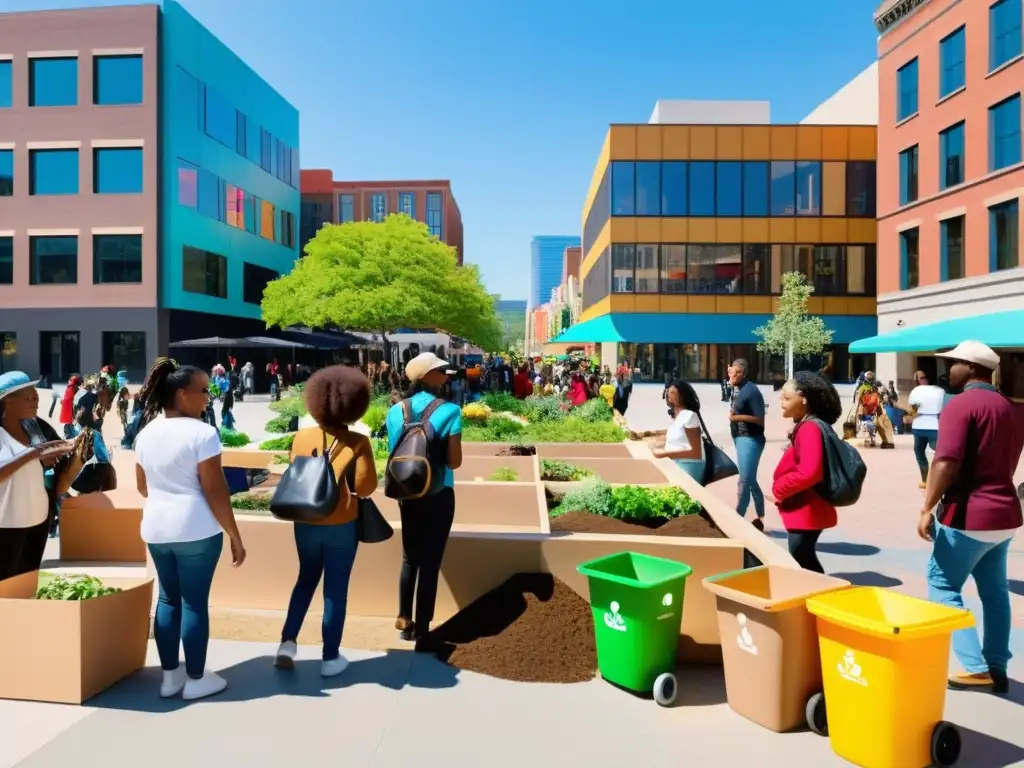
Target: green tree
pixel 379 277
pixel 792 332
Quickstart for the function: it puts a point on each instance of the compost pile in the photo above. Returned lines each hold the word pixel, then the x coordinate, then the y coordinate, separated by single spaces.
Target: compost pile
pixel 696 526
pixel 531 629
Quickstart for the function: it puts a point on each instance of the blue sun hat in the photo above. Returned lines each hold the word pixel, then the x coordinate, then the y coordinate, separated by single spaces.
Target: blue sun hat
pixel 13 381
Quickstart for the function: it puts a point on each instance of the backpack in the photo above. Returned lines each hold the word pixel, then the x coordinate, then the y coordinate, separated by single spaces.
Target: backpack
pixel 844 470
pixel 414 469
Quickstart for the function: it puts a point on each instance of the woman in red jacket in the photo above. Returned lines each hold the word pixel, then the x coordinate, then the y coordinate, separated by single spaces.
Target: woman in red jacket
pixel 67 406
pixel 813 404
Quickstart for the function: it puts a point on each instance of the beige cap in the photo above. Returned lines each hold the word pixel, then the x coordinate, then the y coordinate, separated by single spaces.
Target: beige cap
pixel 973 352
pixel 423 364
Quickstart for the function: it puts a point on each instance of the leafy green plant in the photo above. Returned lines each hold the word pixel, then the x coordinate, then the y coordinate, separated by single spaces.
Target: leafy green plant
pixel 380 449
pixel 289 405
pixel 73 588
pixel 569 430
pixel 593 495
pixel 638 503
pixel 547 408
pixel 502 401
pixel 375 416
pixel 505 430
pixel 279 459
pixel 562 471
pixel 503 475
pixel 594 411
pixel 283 443
pixel 278 424
pixel 257 502
pixel 232 439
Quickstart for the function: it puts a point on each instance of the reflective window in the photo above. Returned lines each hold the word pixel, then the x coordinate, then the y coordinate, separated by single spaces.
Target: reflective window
pixel 6 260
pixel 187 100
pixel 909 259
pixel 906 90
pixel 221 121
pixel 908 175
pixel 435 214
pixel 53 172
pixel 253 141
pixel 117 80
pixel 234 206
pixel 828 270
pixel 117 171
pixel 702 189
pixel 6 172
pixel 8 351
pixel 783 188
pixel 188 184
pixel 210 198
pixel 267 228
pixel 287 229
pixel 254 281
pixel 833 189
pixel 729 189
pixel 266 150
pixel 346 208
pixel 714 268
pixel 53 82
pixel 648 188
pixel 647 269
pixel 623 188
pixel 116 259
pixel 623 262
pixel 600 210
pixel 378 207
pixel 53 260
pixel 6 84
pixel 951 156
pixel 240 134
pixel 250 206
pixel 1004 147
pixel 407 204
pixel 204 272
pixel 951 245
pixel 673 188
pixel 1004 236
pixel 781 262
pixel 673 269
pixel 1004 32
pixel 808 188
pixel 755 188
pixel 126 350
pixel 803 261
pixel 755 269
pixel 860 270
pixel 951 62
pixel 860 189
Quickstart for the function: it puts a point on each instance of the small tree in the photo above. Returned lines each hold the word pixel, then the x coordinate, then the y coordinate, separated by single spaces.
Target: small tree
pixel 379 277
pixel 791 332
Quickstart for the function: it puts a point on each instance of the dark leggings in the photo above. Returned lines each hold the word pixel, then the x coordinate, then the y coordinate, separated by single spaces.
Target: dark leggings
pixel 803 548
pixel 21 549
pixel 426 524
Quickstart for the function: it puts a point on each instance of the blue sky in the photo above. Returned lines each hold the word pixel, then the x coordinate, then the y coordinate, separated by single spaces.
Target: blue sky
pixel 510 100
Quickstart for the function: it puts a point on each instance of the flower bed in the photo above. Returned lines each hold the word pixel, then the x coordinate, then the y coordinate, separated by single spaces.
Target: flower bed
pixel 499 417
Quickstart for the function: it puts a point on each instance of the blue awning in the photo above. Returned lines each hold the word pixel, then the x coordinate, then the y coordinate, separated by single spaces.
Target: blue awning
pixel 1000 330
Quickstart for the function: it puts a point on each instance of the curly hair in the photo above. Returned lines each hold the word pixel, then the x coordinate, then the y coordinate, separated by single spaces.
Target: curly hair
pixel 822 399
pixel 687 395
pixel 337 396
pixel 161 386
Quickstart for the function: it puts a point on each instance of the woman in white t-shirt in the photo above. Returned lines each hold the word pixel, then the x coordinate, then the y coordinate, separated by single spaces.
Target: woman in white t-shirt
pixel 683 441
pixel 926 401
pixel 186 514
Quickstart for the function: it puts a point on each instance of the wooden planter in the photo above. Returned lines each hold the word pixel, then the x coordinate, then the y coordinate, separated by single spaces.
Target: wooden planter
pixel 102 527
pixel 484 505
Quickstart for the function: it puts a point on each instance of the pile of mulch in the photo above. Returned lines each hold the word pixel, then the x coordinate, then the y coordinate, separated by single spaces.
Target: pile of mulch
pixel 531 629
pixel 518 450
pixel 697 526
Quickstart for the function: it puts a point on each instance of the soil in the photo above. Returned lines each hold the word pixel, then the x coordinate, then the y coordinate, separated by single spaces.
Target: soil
pixel 531 629
pixel 518 450
pixel 697 526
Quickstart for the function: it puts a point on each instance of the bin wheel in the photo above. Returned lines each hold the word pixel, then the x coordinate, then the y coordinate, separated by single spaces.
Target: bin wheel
pixel 817 719
pixel 665 689
pixel 946 744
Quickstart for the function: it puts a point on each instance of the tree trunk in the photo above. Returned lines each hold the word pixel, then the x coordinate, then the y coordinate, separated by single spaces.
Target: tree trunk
pixel 789 360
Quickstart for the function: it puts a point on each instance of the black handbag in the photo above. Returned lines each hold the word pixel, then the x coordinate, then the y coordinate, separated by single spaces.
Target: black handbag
pixel 717 464
pixel 308 490
pixel 371 527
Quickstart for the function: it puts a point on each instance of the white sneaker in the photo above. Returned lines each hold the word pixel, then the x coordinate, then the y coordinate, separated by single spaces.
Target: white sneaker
pixel 286 653
pixel 173 682
pixel 333 667
pixel 209 684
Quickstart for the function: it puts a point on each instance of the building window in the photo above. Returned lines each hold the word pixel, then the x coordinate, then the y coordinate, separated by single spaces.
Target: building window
pixel 221 119
pixel 53 82
pixel 6 172
pixel 833 189
pixel 828 270
pixel 673 188
pixel 860 189
pixel 908 175
pixel 808 188
pixel 266 149
pixel 346 208
pixel 702 189
pixel 8 351
pixel 204 272
pixel 755 188
pixel 6 260
pixel 188 184
pixel 209 195
pixel 623 263
pixel 253 141
pixel 435 214
pixel 714 268
pixel 407 204
pixel 126 350
pixel 598 280
pixel 288 229
pixel 951 156
pixel 240 144
pixel 860 270
pixel 1004 133
pixel 254 281
pixel 909 264
pixel 378 207
pixel 53 172
pixel 756 269
pixel 1004 236
pixel 267 223
pixel 647 273
pixel 906 90
pixel 783 188
pixel 117 171
pixel 673 269
pixel 951 62
pixel 648 188
pixel 1004 32
pixel 117 80
pixel 729 189
pixel 116 259
pixel 6 84
pixel 234 206
pixel 952 245
pixel 53 260
pixel 623 188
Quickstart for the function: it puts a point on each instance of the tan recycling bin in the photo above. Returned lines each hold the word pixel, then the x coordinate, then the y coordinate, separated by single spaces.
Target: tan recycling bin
pixel 770 644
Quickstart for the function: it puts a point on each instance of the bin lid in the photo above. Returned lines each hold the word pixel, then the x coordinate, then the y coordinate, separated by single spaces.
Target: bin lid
pixel 889 614
pixel 634 569
pixel 772 588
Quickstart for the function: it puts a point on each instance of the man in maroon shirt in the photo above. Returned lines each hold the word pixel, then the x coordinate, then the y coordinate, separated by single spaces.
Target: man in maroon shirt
pixel 981 436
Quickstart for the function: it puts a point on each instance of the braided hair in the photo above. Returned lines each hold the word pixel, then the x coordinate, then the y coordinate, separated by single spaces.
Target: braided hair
pixel 162 384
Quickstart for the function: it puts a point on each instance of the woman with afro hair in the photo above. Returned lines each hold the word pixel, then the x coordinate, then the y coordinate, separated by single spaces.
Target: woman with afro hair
pixel 807 397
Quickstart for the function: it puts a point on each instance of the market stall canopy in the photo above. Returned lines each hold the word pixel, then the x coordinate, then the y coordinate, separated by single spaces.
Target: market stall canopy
pixel 330 339
pixel 246 342
pixel 209 342
pixel 999 330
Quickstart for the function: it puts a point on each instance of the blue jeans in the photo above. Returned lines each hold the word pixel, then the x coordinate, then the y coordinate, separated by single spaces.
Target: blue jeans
pixel 955 556
pixel 924 438
pixel 748 457
pixel 185 571
pixel 328 550
pixel 693 467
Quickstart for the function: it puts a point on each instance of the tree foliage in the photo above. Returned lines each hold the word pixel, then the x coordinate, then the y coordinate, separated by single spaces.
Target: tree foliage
pixel 379 277
pixel 791 324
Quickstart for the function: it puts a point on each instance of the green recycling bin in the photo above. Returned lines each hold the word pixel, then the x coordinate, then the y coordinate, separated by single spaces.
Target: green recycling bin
pixel 637 602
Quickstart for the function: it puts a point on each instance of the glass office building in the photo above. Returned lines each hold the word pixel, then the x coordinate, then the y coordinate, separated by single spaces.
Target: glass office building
pixel 547 254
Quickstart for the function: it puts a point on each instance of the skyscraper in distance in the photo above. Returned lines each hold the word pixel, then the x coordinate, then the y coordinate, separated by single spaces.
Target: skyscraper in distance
pixel 546 255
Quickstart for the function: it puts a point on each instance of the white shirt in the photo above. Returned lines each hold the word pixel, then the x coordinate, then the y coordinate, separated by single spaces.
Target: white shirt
pixel 675 436
pixel 169 452
pixel 929 399
pixel 23 498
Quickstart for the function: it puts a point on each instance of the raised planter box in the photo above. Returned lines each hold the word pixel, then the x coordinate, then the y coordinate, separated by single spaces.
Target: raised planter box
pixel 519 505
pixel 553 450
pixel 66 651
pixel 620 470
pixel 239 458
pixel 482 467
pixel 102 527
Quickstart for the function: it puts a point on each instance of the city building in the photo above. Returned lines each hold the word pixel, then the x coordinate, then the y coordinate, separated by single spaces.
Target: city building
pixel 571 262
pixel 547 259
pixel 950 171
pixel 688 228
pixel 431 201
pixel 148 188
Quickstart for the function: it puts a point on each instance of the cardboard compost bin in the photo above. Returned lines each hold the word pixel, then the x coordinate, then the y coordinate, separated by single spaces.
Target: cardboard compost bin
pixel 66 651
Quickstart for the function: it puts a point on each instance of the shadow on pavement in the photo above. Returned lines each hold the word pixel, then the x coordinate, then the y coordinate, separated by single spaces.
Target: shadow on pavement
pixel 983 751
pixel 848 548
pixel 868 579
pixel 1017 587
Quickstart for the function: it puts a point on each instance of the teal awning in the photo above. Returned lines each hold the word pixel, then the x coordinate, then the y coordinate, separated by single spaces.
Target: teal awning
pixel 1000 330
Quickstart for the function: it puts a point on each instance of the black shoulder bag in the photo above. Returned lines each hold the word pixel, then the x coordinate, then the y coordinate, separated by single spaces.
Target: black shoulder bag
pixel 308 490
pixel 371 527
pixel 717 464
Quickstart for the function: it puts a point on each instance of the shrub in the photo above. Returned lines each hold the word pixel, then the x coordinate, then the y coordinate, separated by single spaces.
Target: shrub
pixel 278 424
pixel 475 412
pixel 547 408
pixel 575 430
pixel 503 475
pixel 233 439
pixel 637 503
pixel 562 471
pixel 380 449
pixel 279 459
pixel 502 401
pixel 257 502
pixel 375 416
pixel 594 410
pixel 593 496
pixel 289 405
pixel 283 443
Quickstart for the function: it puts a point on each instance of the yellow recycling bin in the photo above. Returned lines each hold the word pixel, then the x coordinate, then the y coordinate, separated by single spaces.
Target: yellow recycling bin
pixel 885 663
